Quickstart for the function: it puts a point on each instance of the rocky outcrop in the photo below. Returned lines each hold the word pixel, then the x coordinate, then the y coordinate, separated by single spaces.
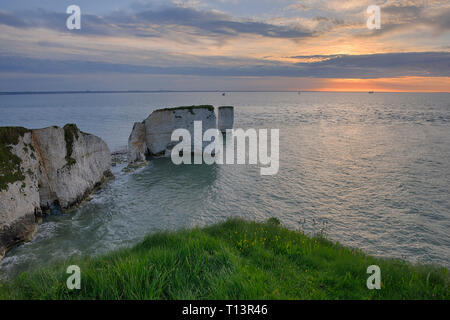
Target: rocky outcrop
pixel 73 164
pixel 44 169
pixel 137 146
pixel 19 192
pixel 225 118
pixel 154 134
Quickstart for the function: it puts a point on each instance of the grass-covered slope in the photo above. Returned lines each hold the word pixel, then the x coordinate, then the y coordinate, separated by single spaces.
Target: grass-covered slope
pixel 233 260
pixel 10 164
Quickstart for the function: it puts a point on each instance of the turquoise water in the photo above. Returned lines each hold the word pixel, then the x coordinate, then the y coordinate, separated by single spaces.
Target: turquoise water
pixel 370 171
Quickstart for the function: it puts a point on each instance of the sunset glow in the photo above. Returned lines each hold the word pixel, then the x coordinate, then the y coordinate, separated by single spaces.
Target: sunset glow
pixel 403 84
pixel 243 45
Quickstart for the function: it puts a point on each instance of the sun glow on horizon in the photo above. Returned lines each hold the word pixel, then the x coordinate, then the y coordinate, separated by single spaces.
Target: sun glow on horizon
pixel 401 84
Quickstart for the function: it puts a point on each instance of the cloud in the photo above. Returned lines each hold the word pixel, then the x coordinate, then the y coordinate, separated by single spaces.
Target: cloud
pixel 430 64
pixel 412 16
pixel 309 19
pixel 219 23
pixel 397 16
pixel 384 65
pixel 154 23
pixel 29 19
pixel 11 20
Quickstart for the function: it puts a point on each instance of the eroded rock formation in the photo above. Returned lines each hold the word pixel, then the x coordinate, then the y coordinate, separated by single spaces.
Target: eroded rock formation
pixel 225 118
pixel 45 168
pixel 19 192
pixel 137 146
pixel 152 137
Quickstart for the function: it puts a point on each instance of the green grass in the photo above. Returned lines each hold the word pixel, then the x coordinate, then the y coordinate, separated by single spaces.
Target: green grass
pixel 190 108
pixel 10 164
pixel 70 135
pixel 232 260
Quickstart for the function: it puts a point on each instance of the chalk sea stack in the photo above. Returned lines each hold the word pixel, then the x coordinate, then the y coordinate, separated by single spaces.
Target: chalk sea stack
pixel 225 118
pixel 42 170
pixel 137 145
pixel 152 137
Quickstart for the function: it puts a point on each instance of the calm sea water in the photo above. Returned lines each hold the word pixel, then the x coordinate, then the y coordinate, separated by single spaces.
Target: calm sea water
pixel 369 170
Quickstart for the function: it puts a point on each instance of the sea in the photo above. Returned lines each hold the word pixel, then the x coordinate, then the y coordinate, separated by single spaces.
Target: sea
pixel 371 171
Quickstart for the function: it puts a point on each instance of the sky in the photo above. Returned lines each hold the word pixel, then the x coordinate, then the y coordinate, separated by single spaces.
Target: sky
pixel 225 45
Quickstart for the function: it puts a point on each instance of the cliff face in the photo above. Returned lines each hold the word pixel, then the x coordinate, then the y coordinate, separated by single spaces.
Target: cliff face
pixel 44 168
pixel 137 146
pixel 153 136
pixel 225 118
pixel 19 192
pixel 73 163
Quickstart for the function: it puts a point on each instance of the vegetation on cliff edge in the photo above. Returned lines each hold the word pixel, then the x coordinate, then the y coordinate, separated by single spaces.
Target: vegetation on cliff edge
pixel 232 260
pixel 70 135
pixel 190 108
pixel 10 164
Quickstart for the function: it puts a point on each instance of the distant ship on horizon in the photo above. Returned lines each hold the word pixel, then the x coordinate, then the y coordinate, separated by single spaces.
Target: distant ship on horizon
pixel 371 91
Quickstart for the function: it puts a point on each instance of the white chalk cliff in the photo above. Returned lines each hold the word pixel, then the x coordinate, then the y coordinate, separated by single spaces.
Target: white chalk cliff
pixel 137 146
pixel 152 137
pixel 45 168
pixel 225 118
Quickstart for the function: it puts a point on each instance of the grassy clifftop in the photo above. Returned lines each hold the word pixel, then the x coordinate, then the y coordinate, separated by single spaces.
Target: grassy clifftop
pixel 233 260
pixel 10 169
pixel 191 109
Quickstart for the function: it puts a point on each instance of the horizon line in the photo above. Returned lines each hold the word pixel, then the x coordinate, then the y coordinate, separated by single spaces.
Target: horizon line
pixel 5 93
